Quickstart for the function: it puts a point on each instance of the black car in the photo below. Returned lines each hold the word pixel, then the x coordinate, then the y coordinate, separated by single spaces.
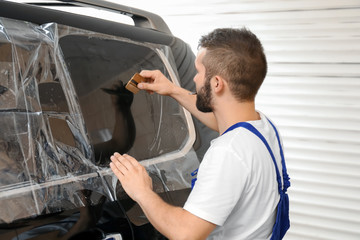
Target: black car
pixel 64 110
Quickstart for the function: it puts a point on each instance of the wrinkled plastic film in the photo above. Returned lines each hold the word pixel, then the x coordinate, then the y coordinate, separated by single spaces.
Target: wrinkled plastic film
pixel 62 111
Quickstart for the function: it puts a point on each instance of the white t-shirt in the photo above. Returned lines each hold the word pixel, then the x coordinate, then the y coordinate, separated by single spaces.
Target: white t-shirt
pixel 236 186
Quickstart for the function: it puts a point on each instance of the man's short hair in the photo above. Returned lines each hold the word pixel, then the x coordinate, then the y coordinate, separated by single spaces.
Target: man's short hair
pixel 237 56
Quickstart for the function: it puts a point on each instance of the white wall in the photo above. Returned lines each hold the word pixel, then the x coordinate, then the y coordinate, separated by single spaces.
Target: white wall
pixel 312 92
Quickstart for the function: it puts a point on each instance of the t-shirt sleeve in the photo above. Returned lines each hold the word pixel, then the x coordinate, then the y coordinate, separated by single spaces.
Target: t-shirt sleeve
pixel 220 182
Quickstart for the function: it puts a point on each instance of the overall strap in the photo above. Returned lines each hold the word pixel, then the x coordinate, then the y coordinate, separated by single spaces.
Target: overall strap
pixel 282 222
pixel 252 129
pixel 284 170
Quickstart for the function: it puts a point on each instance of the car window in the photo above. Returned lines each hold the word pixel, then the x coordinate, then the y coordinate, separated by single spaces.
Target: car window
pixel 116 119
pixel 63 110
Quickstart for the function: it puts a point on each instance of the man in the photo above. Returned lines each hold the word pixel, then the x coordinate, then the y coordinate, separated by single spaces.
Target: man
pixel 237 191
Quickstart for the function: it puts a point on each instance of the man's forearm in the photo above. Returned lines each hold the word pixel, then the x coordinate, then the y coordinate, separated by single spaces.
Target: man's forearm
pixel 173 222
pixel 167 219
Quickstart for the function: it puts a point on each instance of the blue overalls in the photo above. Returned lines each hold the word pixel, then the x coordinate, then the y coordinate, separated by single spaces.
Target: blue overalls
pixel 282 223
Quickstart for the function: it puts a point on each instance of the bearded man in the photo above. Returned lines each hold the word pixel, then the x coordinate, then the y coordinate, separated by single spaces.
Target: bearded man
pixel 240 192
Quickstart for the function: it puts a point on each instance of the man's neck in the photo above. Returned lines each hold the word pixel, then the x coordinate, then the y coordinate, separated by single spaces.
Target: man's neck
pixel 232 113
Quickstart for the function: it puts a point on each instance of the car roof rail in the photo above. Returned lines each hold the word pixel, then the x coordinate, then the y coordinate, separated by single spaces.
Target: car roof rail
pixel 140 17
pixel 38 13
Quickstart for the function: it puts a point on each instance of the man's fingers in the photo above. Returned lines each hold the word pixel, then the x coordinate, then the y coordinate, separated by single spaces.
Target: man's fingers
pixel 145 73
pixel 131 160
pixel 117 172
pixel 146 86
pixel 119 160
pixel 152 74
pixel 119 166
pixel 114 168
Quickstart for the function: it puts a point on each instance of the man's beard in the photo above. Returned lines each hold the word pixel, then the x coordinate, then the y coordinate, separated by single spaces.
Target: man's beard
pixel 203 100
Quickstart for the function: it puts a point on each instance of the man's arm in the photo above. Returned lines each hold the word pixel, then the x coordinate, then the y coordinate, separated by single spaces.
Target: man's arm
pixel 173 222
pixel 160 84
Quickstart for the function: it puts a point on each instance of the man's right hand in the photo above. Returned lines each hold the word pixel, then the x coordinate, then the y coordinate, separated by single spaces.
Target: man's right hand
pixel 156 82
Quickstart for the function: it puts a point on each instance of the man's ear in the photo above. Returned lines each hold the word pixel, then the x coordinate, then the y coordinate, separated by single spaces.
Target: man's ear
pixel 218 84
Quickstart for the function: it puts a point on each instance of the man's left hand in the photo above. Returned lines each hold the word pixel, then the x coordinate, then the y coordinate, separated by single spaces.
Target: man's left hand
pixel 132 175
